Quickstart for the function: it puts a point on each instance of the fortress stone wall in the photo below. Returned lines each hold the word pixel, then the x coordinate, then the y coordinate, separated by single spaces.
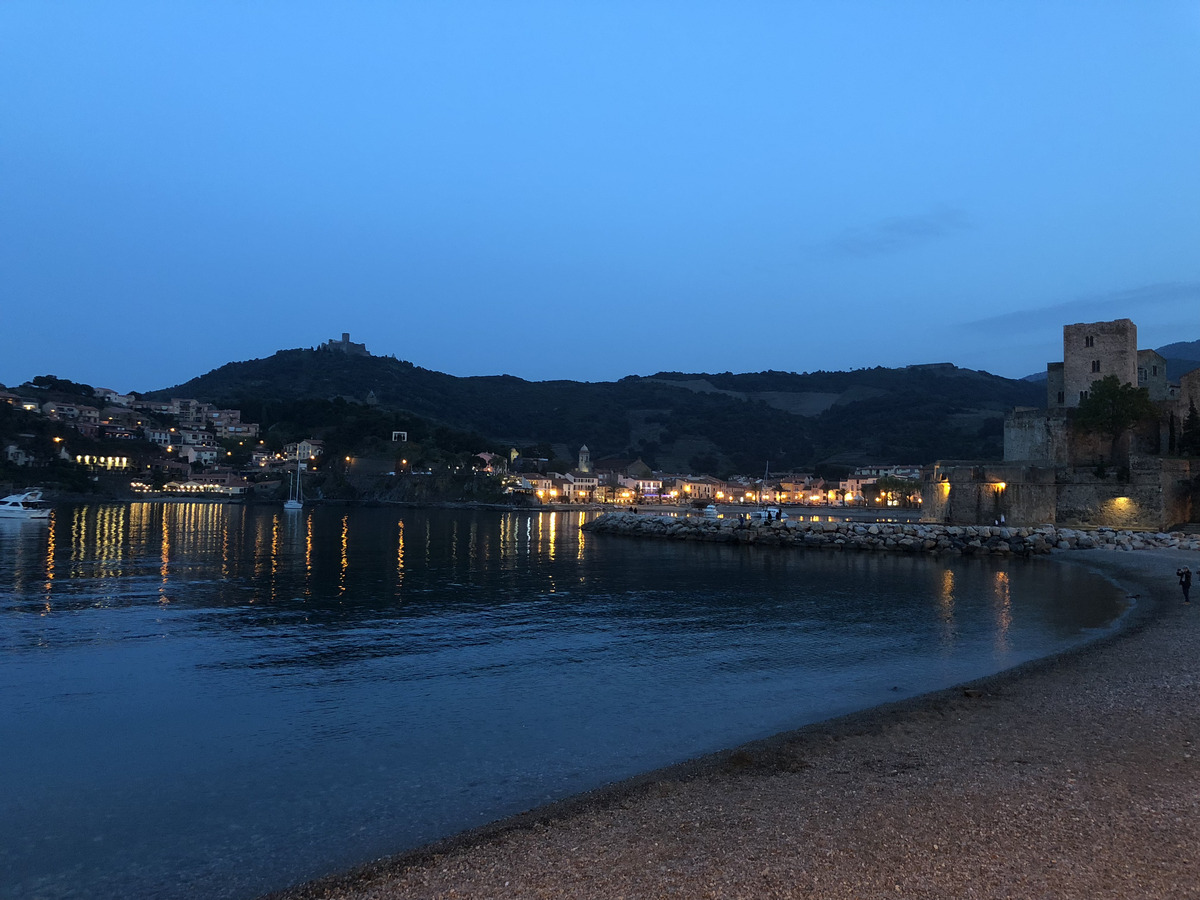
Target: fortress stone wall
pixel 966 494
pixel 1034 434
pixel 1046 437
pixel 1155 493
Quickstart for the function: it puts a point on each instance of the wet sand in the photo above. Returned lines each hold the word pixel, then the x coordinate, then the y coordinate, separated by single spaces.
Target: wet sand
pixel 1075 777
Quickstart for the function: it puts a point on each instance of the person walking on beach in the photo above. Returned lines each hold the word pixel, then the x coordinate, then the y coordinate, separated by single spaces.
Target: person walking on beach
pixel 1185 582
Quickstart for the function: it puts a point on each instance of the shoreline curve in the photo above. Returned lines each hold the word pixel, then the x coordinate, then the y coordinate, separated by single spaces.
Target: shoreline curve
pixel 1073 775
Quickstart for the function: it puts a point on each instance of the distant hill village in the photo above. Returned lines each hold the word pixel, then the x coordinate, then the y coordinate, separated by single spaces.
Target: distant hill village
pixel 188 440
pixel 187 447
pixel 1136 473
pixel 193 440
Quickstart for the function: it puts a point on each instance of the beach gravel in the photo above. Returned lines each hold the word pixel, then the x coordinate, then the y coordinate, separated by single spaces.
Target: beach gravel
pixel 1077 777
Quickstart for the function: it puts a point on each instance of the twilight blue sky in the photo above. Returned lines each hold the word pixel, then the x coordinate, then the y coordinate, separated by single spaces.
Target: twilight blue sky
pixel 590 190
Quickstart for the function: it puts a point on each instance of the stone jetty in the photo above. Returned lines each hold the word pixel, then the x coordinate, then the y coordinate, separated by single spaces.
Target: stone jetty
pixel 902 537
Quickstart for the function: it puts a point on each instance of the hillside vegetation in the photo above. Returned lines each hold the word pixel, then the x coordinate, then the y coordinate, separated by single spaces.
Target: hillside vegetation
pixel 715 423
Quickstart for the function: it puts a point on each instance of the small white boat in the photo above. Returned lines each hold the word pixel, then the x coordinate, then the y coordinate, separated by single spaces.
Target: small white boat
pixel 295 498
pixel 26 505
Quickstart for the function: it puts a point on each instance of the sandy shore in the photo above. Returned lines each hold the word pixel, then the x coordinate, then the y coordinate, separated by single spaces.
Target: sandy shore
pixel 1072 777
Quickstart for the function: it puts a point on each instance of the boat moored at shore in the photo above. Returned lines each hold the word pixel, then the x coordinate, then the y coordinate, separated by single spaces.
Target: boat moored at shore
pixel 28 504
pixel 295 500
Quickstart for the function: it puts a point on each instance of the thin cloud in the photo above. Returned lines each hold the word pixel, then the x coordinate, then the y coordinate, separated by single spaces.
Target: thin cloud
pixel 1093 308
pixel 899 233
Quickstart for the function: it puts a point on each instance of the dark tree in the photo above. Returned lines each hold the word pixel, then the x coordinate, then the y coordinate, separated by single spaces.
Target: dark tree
pixel 1112 408
pixel 63 385
pixel 1189 438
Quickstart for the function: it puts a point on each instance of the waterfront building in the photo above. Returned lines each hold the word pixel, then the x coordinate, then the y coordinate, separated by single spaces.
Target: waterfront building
pixel 1056 473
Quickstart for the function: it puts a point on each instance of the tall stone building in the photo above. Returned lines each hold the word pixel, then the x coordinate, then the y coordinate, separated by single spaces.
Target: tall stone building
pixel 1095 350
pixel 1091 351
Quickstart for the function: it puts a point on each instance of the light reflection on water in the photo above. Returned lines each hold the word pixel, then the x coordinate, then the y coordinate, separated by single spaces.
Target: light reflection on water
pixel 240 698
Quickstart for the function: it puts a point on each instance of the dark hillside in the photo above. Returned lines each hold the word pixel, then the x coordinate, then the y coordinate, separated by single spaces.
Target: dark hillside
pixel 716 423
pixel 1182 350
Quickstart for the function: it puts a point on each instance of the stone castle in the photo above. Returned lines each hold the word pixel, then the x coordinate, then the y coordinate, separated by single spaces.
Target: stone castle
pixel 345 345
pixel 1053 473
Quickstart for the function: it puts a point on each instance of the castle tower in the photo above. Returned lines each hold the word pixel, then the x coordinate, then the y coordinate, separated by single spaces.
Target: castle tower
pixel 585 459
pixel 1091 351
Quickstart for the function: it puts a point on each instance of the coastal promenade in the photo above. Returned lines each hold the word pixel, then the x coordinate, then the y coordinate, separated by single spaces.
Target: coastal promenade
pixel 1073 777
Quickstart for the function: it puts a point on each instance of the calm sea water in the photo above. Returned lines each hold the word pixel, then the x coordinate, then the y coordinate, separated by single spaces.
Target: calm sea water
pixel 216 701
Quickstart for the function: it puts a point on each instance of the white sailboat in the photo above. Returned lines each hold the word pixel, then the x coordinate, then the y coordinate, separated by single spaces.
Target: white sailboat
pixel 764 511
pixel 295 498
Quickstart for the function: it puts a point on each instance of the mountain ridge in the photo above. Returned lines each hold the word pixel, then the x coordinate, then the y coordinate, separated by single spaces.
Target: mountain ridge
pixel 685 421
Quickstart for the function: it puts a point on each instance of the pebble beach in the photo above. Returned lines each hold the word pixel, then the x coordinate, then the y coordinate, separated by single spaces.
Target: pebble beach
pixel 1071 777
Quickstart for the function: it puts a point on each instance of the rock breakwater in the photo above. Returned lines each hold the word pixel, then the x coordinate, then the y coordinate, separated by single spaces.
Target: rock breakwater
pixel 902 537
